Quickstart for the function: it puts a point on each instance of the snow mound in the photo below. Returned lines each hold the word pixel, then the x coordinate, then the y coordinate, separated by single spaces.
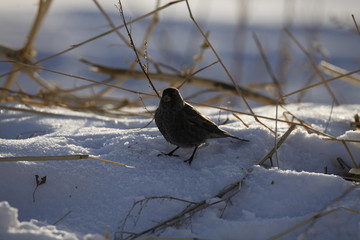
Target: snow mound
pixel 98 196
pixel 11 228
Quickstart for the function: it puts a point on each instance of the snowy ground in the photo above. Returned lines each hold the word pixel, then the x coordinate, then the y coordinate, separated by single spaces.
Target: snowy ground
pixel 85 199
pixel 99 195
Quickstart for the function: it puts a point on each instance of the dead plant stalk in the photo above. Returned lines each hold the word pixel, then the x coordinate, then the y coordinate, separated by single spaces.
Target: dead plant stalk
pixel 223 66
pixel 132 44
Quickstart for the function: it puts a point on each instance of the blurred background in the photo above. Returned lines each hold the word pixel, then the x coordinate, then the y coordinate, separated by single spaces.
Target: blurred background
pixel 325 28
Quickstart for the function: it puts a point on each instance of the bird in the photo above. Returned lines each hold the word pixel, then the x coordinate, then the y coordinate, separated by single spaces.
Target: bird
pixel 182 125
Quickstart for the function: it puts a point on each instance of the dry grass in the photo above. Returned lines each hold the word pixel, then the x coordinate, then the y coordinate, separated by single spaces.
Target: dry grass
pixel 327 209
pixel 58 158
pixel 49 95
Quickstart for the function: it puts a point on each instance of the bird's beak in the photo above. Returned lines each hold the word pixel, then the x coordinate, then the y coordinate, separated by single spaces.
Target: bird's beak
pixel 166 98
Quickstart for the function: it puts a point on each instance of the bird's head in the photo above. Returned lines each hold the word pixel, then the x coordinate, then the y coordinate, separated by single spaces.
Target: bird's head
pixel 172 99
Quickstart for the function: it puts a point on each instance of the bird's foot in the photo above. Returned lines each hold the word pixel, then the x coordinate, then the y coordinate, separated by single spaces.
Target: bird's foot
pixel 170 153
pixel 189 161
pixel 192 156
pixel 167 154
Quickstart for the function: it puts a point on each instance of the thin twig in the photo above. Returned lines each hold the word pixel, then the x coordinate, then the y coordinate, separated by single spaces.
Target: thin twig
pixel 108 161
pixel 240 39
pixel 169 238
pixel 321 83
pixel 305 124
pixel 203 68
pixel 142 204
pixel 127 42
pixel 189 78
pixel 321 213
pixel 43 158
pixel 200 56
pixel 244 123
pixel 276 135
pixel 333 70
pixel 267 65
pixel 278 144
pixel 43 8
pixel 110 31
pixel 350 154
pixel 330 116
pixel 27 53
pixel 190 210
pixel 111 23
pixel 309 220
pixel 223 65
pixel 88 79
pixel 135 51
pixel 57 158
pixel 64 216
pixel 355 23
pixel 313 64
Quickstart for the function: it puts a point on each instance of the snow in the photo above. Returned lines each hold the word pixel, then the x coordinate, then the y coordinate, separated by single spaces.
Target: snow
pixel 90 200
pixel 100 195
pixel 11 228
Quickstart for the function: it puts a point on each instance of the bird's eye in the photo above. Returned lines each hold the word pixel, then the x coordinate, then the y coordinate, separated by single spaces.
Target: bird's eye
pixel 166 98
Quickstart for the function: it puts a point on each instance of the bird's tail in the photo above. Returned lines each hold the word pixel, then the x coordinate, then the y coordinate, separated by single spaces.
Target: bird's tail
pixel 240 139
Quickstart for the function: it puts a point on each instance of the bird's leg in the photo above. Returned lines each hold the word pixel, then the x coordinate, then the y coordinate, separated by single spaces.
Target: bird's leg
pixel 170 153
pixel 192 156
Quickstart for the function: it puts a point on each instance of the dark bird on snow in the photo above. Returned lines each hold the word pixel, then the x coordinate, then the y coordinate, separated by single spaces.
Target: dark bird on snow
pixel 182 125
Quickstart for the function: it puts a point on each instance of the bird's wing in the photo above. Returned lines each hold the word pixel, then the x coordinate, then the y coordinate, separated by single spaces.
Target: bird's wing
pixel 194 117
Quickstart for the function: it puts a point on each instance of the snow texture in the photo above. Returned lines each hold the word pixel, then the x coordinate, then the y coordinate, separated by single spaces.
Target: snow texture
pixel 100 195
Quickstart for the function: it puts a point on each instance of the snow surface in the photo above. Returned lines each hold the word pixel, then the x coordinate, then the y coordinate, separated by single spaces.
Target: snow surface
pixel 95 197
pixel 100 195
